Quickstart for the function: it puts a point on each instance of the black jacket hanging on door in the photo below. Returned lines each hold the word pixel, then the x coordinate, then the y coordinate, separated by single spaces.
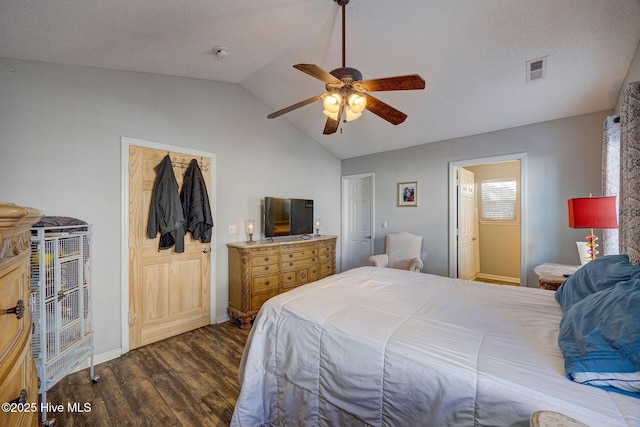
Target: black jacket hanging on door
pixel 166 210
pixel 195 204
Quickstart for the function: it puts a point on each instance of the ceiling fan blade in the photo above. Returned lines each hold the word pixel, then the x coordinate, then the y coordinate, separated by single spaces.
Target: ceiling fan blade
pixel 384 111
pixel 318 73
pixel 408 82
pixel 295 106
pixel 331 126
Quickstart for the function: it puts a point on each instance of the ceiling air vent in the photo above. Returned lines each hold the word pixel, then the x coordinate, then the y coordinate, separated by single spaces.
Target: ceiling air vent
pixel 536 69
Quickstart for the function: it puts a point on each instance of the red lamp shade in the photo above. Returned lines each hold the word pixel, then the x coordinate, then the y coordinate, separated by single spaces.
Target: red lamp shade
pixel 593 212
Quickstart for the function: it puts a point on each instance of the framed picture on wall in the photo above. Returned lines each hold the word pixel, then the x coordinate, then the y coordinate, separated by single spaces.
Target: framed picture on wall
pixel 408 193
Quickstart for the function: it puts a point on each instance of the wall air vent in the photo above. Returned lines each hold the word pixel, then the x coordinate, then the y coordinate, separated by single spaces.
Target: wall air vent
pixel 536 69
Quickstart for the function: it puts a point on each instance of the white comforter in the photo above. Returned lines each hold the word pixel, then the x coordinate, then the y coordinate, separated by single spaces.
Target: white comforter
pixel 385 347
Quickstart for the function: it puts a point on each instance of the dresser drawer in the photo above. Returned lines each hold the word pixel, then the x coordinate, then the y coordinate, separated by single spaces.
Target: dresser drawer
pixel 13 293
pixel 264 269
pixel 299 253
pixel 265 284
pixel 289 279
pixel 258 300
pixel 295 278
pixel 324 257
pixel 325 249
pixel 264 257
pixel 297 264
pixel 326 269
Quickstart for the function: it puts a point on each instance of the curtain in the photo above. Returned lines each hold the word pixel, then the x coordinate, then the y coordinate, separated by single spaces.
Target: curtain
pixel 629 230
pixel 611 177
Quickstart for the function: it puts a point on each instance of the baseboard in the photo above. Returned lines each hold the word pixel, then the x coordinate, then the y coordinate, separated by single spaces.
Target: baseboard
pixel 98 359
pixel 514 280
pixel 222 319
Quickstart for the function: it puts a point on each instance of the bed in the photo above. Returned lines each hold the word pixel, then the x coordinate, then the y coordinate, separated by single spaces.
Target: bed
pixel 386 347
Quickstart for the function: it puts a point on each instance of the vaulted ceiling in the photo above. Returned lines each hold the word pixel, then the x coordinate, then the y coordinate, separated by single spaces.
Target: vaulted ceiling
pixel 472 55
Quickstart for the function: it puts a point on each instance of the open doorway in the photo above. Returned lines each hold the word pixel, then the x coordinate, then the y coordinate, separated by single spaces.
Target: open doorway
pixel 486 233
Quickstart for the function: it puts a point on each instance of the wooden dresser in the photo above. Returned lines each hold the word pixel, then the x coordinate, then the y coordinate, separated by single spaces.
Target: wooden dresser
pixel 18 379
pixel 258 271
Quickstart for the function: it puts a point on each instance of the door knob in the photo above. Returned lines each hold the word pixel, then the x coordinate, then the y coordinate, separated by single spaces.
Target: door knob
pixel 206 250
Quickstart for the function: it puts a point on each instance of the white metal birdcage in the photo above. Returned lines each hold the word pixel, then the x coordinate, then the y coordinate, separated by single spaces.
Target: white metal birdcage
pixel 61 303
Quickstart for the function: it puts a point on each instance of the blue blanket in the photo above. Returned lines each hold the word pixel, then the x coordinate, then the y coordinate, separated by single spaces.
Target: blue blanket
pixel 597 275
pixel 600 338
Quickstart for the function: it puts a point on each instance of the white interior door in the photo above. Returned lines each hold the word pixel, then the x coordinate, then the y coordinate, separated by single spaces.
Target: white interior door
pixel 357 220
pixel 467 227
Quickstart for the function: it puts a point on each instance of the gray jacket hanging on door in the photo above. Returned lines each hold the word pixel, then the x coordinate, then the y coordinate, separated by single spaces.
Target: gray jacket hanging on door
pixel 195 204
pixel 166 210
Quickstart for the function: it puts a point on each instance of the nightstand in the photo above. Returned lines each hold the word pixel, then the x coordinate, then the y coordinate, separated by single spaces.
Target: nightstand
pixel 551 276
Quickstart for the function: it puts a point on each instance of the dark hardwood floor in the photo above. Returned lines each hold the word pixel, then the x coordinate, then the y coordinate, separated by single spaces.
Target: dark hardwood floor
pixel 188 380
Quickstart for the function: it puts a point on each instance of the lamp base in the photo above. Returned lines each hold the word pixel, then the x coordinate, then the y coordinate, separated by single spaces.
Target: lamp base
pixel 592 252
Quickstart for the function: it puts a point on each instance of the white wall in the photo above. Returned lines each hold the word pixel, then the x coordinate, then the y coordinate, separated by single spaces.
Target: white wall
pixel 60 143
pixel 563 161
pixel 633 75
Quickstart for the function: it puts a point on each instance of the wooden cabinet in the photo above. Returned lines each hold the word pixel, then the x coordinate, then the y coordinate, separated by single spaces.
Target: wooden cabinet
pixel 18 379
pixel 258 271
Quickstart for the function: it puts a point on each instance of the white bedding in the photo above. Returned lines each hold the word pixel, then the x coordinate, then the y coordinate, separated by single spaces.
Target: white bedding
pixel 386 347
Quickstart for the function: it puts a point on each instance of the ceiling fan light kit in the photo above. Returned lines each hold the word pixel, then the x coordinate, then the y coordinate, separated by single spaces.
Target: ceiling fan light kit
pixel 346 92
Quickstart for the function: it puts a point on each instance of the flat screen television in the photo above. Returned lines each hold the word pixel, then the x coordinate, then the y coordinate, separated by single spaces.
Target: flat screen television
pixel 287 217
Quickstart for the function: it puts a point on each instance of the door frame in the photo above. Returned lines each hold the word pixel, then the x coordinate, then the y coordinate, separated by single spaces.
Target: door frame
pixel 453 211
pixel 345 213
pixel 126 142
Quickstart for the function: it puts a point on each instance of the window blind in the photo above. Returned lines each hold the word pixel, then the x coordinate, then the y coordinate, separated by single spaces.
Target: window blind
pixel 498 200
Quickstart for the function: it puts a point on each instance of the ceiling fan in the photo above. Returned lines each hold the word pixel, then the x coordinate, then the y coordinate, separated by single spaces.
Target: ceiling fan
pixel 346 92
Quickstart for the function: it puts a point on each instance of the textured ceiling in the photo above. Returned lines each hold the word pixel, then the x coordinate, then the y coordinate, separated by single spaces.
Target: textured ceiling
pixel 472 55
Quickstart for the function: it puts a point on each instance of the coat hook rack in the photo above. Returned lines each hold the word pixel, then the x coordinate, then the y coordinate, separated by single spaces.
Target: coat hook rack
pixel 184 163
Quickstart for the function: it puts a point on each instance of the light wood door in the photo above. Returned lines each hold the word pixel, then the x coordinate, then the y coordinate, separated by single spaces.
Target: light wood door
pixel 169 292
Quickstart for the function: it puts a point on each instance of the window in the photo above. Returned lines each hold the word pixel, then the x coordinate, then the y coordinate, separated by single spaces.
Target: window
pixel 498 200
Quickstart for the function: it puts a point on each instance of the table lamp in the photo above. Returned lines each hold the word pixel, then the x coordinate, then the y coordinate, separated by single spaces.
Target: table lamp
pixel 593 212
pixel 250 230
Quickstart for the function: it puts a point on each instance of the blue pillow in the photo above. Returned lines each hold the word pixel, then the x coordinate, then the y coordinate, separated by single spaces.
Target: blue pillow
pixel 597 275
pixel 600 339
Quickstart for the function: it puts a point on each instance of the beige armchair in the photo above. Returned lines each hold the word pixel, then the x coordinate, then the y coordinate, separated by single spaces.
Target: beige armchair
pixel 402 250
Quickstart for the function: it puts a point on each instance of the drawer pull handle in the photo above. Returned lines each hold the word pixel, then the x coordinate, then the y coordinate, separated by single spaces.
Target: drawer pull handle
pixel 18 310
pixel 290 255
pixel 266 258
pixel 266 268
pixel 290 264
pixel 289 278
pixel 22 399
pixel 266 283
